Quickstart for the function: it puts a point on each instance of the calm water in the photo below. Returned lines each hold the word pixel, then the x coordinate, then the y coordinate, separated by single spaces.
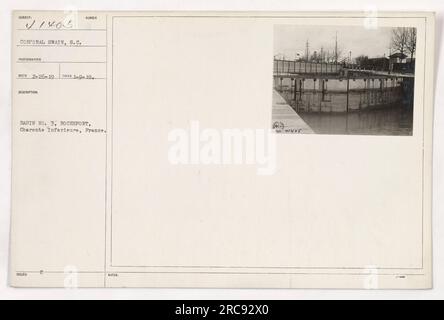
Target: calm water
pixel 389 120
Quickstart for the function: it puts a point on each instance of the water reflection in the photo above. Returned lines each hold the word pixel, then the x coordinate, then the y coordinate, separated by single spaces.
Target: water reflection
pixel 388 120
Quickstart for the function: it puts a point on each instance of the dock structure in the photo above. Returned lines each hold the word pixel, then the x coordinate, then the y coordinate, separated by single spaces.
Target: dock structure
pixel 285 119
pixel 330 87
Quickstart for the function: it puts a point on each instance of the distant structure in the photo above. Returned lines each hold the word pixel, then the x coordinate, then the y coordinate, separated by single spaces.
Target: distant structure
pixel 397 57
pixel 398 62
pixel 379 64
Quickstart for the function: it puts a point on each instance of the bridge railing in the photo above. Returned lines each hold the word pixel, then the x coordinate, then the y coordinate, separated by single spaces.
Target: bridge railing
pixel 300 67
pixel 405 68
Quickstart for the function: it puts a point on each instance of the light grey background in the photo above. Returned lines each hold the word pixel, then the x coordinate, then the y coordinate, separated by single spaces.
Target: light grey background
pixel 6 6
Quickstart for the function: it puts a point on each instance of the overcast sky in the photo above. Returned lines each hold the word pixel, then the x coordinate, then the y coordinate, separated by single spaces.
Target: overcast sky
pixel 291 39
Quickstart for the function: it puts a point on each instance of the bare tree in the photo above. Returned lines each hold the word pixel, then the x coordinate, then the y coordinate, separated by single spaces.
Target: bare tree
pixel 329 56
pixel 314 57
pixel 339 54
pixel 399 39
pixel 411 42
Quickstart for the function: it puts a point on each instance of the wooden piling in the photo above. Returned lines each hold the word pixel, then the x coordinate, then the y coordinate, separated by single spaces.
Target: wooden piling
pixel 301 88
pixel 348 90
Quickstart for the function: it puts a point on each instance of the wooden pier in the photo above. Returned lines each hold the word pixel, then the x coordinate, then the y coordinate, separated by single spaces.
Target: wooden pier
pixel 327 87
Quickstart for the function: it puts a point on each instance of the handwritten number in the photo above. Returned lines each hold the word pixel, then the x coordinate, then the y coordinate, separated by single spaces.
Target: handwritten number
pixel 53 24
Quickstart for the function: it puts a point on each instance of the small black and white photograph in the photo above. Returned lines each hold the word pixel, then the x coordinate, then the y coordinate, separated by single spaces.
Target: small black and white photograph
pixel 343 80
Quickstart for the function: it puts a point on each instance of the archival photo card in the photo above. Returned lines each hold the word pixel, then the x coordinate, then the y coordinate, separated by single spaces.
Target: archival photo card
pixel 172 149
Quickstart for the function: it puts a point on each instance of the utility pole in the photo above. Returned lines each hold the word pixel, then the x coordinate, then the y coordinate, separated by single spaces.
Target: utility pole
pixel 336 48
pixel 390 60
